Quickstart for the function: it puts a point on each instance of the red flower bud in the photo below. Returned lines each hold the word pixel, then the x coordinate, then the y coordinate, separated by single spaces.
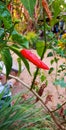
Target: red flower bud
pixel 33 58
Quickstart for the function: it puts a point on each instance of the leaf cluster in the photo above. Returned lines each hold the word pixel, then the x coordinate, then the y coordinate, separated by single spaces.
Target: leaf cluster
pixel 9 34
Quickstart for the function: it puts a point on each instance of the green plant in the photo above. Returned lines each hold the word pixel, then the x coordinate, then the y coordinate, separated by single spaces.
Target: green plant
pixel 8 35
pixel 23 114
pixel 8 32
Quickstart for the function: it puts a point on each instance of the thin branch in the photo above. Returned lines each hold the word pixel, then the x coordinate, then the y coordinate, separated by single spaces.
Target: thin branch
pixel 16 78
pixel 42 52
pixel 52 115
pixel 34 78
pixel 59 107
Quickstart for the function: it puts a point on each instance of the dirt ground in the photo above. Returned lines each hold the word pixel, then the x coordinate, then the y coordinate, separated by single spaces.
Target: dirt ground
pixel 51 90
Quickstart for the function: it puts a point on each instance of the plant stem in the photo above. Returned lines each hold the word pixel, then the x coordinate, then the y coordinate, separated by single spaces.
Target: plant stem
pixel 44 35
pixel 59 107
pixel 36 73
pixel 65 69
pixel 34 78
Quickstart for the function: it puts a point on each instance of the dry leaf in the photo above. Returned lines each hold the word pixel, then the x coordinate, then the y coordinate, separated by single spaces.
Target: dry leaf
pixel 45 6
pixel 48 98
pixel 41 90
pixel 24 96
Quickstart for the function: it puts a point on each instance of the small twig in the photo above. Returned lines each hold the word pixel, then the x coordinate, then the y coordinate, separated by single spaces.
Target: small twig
pixel 16 78
pixel 64 122
pixel 59 107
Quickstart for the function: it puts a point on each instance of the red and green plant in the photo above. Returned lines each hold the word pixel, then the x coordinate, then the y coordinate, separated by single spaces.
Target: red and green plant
pixel 11 40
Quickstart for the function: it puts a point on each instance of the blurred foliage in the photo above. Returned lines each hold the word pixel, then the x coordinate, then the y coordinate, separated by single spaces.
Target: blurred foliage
pixel 23 114
pixel 7 32
pixel 29 5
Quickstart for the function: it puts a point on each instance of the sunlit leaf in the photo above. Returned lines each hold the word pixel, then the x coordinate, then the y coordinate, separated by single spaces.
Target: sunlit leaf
pixel 19 39
pixel 43 77
pixel 40 47
pixel 29 5
pixel 5 16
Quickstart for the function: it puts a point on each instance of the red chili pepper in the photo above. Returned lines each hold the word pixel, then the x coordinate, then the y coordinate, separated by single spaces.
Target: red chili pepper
pixel 33 58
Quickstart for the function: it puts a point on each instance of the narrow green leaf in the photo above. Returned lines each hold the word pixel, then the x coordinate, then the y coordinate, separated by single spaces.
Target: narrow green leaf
pixel 2 33
pixel 19 39
pixel 50 54
pixel 29 5
pixel 51 35
pixel 65 112
pixel 5 16
pixel 7 59
pixel 52 61
pixel 56 59
pixel 2 44
pixel 40 47
pixel 43 77
pixel 23 59
pixel 56 7
pixel 51 70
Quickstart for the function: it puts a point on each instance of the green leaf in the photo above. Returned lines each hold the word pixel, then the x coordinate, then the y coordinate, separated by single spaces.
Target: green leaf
pixel 65 112
pixel 48 27
pixel 56 7
pixel 51 70
pixel 56 59
pixel 29 5
pixel 62 66
pixel 50 54
pixel 2 7
pixel 19 39
pixel 1 33
pixel 7 19
pixel 23 59
pixel 43 77
pixel 60 82
pixel 53 21
pixel 59 106
pixel 52 61
pixel 19 64
pixel 2 43
pixel 65 74
pixel 51 35
pixel 7 59
pixel 40 47
pixel 5 16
